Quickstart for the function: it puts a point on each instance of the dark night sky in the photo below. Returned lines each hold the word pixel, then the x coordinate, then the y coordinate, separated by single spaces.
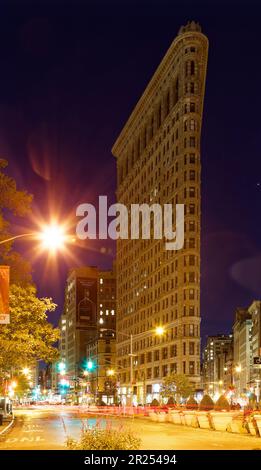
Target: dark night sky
pixel 71 72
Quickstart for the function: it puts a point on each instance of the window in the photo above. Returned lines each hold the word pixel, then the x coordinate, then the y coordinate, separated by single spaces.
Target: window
pixel 184 367
pixel 192 124
pixel 192 175
pixel 165 370
pixel 149 356
pixel 156 355
pixel 192 158
pixel 159 116
pixel 173 350
pixel 167 103
pixel 156 372
pixel 191 226
pixel 191 367
pixel 192 141
pixel 192 191
pixel 184 349
pixel 149 373
pixel 165 353
pixel 173 368
pixel 191 348
pixel 176 92
pixel 191 330
pixel 192 209
pixel 191 310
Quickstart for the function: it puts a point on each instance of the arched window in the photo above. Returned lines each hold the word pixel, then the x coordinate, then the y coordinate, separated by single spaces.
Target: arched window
pixel 192 67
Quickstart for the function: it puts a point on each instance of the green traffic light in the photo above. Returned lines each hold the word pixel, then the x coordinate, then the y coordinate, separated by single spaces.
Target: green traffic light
pixel 90 365
pixel 61 367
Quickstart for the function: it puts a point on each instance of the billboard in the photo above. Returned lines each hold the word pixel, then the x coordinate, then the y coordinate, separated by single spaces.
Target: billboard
pixel 4 295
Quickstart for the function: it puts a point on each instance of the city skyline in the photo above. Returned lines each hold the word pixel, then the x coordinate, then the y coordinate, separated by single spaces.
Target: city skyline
pixel 225 286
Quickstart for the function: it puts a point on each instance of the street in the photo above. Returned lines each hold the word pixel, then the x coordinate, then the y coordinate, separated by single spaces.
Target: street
pixel 47 428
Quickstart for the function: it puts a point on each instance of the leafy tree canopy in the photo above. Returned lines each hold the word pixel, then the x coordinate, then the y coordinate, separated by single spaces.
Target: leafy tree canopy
pixel 12 203
pixel 176 385
pixel 29 337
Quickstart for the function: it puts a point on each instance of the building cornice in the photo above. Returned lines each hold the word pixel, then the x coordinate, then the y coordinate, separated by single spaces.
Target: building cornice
pixel 152 88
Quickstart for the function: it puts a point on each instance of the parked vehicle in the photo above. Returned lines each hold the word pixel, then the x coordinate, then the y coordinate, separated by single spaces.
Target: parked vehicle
pixel 6 408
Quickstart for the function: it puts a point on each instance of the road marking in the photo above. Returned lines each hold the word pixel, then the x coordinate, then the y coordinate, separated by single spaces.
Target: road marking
pixel 12 440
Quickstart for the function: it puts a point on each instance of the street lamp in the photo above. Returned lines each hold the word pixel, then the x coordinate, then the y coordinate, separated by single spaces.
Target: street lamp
pixel 52 237
pixel 26 371
pixel 158 331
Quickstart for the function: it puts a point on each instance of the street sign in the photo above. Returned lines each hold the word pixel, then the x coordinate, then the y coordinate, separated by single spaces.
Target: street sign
pixel 257 361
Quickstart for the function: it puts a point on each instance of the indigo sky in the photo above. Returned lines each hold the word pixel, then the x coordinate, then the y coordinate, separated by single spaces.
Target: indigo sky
pixel 71 72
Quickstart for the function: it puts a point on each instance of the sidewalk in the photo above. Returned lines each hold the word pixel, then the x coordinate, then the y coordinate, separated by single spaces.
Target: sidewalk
pixel 6 426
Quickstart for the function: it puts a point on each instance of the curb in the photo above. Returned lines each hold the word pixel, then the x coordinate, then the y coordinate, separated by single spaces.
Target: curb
pixel 9 426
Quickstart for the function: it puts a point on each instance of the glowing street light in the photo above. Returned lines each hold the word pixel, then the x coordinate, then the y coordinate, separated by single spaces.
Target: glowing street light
pixel 159 330
pixel 53 237
pixel 110 372
pixel 238 369
pixel 26 371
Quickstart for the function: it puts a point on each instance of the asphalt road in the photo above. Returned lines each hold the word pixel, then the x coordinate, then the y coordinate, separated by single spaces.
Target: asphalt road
pixel 47 429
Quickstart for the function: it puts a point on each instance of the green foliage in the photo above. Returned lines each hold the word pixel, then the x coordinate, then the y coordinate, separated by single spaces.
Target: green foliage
pixel 222 404
pixel 171 401
pixel 29 337
pixel 206 403
pixel 22 385
pixel 15 203
pixel 191 403
pixel 154 402
pixel 176 385
pixel 108 438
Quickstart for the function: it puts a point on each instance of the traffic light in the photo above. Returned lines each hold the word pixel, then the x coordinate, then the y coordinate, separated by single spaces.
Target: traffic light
pixel 61 367
pixel 90 365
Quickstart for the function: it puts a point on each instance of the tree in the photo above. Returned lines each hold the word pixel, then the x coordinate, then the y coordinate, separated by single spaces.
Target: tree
pixel 176 385
pixel 12 203
pixel 29 337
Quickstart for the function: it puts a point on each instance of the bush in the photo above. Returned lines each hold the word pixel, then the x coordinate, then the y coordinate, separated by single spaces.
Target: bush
pixel 206 403
pixel 108 438
pixel 222 404
pixel 154 402
pixel 171 401
pixel 191 404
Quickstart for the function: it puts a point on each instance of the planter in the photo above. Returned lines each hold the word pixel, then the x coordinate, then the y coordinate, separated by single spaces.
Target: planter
pixel 257 419
pixel 162 417
pixel 176 417
pixel 221 419
pixel 237 425
pixel 189 417
pixel 152 416
pixel 252 426
pixel 203 419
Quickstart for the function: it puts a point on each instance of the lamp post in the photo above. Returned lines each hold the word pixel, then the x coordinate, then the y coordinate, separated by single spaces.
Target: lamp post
pixel 158 331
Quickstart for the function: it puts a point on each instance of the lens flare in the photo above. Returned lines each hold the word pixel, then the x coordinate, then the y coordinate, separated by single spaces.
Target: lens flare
pixel 53 237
